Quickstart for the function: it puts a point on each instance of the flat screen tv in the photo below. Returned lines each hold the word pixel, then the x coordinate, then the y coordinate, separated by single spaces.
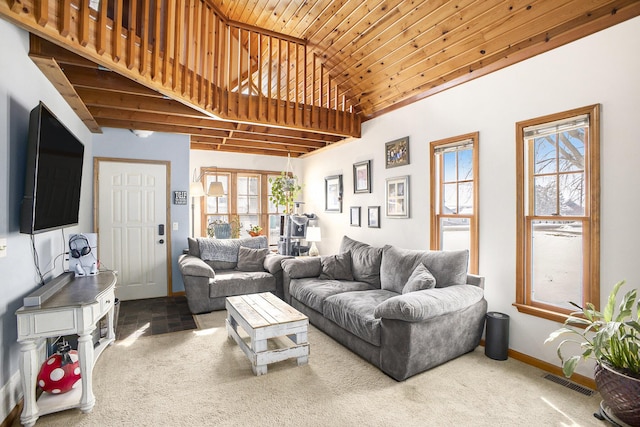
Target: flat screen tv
pixel 53 175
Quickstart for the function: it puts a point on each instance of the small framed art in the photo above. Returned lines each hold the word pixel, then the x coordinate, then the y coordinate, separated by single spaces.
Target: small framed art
pixel 398 197
pixel 373 215
pixel 397 152
pixel 362 177
pixel 355 216
pixel 333 193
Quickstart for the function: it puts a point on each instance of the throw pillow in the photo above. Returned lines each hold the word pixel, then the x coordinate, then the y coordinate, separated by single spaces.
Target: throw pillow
pixel 251 259
pixel 420 279
pixel 336 267
pixel 365 260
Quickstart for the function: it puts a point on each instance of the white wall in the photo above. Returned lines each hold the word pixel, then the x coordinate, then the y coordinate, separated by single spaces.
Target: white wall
pixel 207 158
pixel 602 68
pixel 22 86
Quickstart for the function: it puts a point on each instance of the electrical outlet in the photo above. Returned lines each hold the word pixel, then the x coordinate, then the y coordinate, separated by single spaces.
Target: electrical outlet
pixel 175 226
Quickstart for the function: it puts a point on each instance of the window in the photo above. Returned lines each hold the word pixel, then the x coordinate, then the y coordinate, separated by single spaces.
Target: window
pixel 558 237
pixel 246 200
pixel 454 195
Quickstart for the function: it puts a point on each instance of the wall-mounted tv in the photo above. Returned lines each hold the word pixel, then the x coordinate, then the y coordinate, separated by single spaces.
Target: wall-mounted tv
pixel 53 175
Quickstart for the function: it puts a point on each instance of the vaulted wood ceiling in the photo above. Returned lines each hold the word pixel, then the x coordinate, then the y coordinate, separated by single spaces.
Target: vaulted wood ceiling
pixel 372 56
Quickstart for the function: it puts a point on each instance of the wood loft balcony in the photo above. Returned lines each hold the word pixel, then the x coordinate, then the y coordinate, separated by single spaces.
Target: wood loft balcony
pixel 180 66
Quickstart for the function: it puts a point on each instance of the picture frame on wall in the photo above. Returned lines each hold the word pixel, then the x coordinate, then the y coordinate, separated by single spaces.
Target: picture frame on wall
pixel 397 197
pixel 373 216
pixel 362 177
pixel 355 216
pixel 333 193
pixel 397 152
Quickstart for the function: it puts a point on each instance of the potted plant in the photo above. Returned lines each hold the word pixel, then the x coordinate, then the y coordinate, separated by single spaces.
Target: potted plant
pixel 284 190
pixel 219 229
pixel 613 341
pixel 254 230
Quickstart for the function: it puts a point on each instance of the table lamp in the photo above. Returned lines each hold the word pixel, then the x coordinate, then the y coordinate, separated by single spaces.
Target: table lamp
pixel 313 236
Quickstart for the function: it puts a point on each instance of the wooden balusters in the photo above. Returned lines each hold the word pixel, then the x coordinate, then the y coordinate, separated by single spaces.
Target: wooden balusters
pixel 185 49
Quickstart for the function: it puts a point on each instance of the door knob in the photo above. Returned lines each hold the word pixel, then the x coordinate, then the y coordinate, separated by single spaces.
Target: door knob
pixel 161 241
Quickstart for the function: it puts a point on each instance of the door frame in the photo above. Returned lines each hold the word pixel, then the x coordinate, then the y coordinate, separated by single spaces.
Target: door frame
pixel 167 164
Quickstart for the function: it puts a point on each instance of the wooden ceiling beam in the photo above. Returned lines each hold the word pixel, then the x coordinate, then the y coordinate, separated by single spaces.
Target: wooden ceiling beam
pixel 94 78
pixel 97 98
pixel 158 127
pixel 233 142
pixel 42 47
pixel 56 76
pixel 240 150
pixel 248 131
pixel 158 117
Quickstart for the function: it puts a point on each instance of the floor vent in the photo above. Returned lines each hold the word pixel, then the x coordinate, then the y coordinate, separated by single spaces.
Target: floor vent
pixel 568 384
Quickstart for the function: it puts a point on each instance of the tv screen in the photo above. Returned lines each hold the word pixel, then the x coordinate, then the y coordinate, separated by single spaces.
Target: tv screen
pixel 53 175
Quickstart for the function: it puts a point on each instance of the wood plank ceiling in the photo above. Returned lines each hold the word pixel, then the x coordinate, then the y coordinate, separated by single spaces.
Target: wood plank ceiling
pixel 383 53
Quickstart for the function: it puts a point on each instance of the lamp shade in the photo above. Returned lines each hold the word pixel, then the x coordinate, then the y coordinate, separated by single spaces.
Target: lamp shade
pixel 313 234
pixel 215 189
pixel 196 189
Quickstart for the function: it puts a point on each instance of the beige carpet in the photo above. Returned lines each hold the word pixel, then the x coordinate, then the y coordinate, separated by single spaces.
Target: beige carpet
pixel 201 378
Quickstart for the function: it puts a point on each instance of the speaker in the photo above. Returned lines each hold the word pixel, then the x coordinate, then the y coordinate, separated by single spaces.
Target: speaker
pixel 79 246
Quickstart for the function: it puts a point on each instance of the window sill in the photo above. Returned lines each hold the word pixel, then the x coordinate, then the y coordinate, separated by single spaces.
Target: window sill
pixel 541 312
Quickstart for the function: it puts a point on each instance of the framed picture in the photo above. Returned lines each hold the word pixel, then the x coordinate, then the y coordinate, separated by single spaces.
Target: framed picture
pixel 355 216
pixel 333 193
pixel 398 197
pixel 373 215
pixel 362 177
pixel 397 152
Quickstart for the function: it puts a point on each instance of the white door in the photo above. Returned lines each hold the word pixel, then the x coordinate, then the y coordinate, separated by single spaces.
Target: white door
pixel 132 209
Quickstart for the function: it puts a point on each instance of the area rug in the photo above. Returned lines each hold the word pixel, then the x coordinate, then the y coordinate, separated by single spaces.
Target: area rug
pixel 202 378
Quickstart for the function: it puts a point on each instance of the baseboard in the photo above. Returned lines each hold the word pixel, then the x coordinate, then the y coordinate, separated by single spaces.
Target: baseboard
pixel 549 367
pixel 11 395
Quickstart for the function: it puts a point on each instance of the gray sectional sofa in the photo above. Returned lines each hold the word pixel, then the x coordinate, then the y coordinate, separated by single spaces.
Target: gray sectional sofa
pixel 405 311
pixel 217 268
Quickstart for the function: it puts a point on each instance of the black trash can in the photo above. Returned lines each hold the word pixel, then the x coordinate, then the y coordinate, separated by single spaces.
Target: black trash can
pixel 496 340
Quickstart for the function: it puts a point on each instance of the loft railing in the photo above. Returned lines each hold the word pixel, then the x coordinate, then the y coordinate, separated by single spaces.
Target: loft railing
pixel 187 50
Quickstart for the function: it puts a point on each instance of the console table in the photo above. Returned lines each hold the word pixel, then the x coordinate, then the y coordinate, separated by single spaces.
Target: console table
pixel 67 305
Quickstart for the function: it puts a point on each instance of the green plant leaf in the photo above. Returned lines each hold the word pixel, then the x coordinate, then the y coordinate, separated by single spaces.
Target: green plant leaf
pixel 569 365
pixel 555 334
pixel 611 303
pixel 626 305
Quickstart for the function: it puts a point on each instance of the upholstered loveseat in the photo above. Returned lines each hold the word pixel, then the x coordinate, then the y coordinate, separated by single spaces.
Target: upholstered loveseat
pixel 405 311
pixel 217 268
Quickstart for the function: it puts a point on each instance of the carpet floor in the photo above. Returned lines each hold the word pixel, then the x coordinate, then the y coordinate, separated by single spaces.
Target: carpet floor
pixel 202 378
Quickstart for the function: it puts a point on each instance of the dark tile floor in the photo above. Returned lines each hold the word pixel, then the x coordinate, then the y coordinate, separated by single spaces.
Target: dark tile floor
pixel 153 316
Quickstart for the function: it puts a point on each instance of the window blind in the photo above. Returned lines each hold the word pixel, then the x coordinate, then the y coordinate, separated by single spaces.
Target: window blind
pixel 558 126
pixel 464 144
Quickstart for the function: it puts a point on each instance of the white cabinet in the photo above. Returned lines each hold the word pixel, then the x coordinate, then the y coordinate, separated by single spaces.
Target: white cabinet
pixel 75 308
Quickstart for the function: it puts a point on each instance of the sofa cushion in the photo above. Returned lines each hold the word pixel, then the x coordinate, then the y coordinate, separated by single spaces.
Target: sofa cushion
pixel 312 291
pixel 251 259
pixel 231 282
pixel 448 267
pixel 420 279
pixel 365 260
pixel 429 303
pixel 353 311
pixel 194 266
pixel 336 267
pixel 226 250
pixel 297 268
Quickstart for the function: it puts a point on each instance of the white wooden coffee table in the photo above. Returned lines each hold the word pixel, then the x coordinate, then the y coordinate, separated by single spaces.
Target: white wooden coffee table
pixel 264 316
